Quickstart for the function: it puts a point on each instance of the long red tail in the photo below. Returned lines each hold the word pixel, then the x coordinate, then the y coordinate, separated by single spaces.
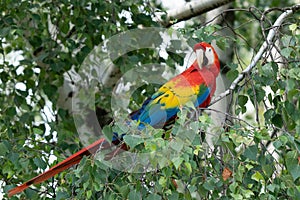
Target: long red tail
pixel 70 161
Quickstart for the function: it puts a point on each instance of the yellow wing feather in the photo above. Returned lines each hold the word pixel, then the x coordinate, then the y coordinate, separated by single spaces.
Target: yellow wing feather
pixel 175 96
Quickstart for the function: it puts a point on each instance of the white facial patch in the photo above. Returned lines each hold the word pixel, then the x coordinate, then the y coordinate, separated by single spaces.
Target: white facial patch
pixel 209 55
pixel 199 56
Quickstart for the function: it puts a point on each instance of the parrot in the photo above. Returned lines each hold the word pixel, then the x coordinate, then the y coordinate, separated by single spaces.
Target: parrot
pixel 197 84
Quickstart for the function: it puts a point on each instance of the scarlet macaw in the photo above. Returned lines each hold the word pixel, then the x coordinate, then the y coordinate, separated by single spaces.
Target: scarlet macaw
pixel 196 84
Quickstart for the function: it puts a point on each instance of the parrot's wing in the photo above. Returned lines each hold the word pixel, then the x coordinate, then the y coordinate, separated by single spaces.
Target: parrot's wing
pixel 166 102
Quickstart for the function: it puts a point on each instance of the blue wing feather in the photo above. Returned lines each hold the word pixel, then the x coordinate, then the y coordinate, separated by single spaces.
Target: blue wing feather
pixel 201 98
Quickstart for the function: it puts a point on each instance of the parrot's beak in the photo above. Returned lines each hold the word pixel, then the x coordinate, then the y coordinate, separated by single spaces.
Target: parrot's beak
pixel 199 55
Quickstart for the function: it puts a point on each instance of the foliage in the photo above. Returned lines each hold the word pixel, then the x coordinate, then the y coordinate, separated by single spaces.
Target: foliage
pixel 240 166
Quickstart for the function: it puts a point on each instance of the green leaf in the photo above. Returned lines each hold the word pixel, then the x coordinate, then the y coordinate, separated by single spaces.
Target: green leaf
pixel 3 149
pixel 108 133
pixel 61 195
pixel 260 94
pixel 209 184
pixel 188 167
pixel 277 144
pixel 89 194
pixel 292 164
pixel 177 58
pixel 64 26
pixel 286 39
pixel 269 114
pixel 232 74
pixel 239 174
pixel 262 134
pixel 177 162
pixel 237 196
pixel 222 43
pixel 247 193
pixel 286 52
pixel 11 111
pixel 38 131
pixel 177 145
pixel 233 187
pixel 267 70
pixel 124 190
pixel 162 181
pixel 284 139
pixel 292 93
pixel 258 177
pixel 233 66
pixel 251 152
pixel 293 27
pixel 14 158
pixel 294 73
pixel 134 195
pixel 133 140
pixel 153 197
pixel 242 100
pixel 274 67
pixel 272 187
pixel 277 120
pixel 174 196
pixel 40 163
pixel 50 90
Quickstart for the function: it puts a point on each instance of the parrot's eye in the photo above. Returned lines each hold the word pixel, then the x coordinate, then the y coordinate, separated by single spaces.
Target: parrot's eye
pixel 209 56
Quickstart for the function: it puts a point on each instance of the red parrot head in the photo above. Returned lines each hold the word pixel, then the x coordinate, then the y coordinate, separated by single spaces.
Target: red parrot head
pixel 207 57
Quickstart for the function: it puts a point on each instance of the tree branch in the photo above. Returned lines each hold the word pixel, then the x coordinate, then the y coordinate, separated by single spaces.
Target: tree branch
pixel 191 9
pixel 262 50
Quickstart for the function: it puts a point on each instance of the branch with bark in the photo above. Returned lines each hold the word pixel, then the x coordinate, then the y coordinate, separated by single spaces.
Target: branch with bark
pixel 190 10
pixel 263 49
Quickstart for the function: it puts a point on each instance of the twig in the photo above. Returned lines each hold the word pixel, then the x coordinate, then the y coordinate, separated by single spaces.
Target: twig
pixel 228 115
pixel 259 54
